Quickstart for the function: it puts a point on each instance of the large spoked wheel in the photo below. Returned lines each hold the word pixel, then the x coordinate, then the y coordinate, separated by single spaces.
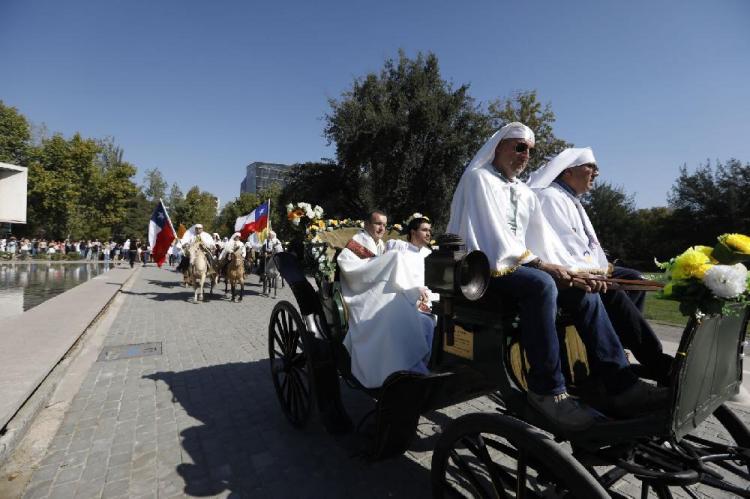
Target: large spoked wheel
pixel 493 456
pixel 290 369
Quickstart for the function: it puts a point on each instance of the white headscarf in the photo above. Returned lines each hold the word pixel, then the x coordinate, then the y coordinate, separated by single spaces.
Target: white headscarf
pixel 486 153
pixel 573 156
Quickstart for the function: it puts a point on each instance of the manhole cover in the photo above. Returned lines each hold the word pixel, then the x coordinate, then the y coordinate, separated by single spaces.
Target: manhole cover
pixel 130 351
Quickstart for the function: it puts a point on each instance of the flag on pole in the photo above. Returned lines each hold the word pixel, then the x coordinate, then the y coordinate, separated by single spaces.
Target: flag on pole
pixel 161 233
pixel 256 221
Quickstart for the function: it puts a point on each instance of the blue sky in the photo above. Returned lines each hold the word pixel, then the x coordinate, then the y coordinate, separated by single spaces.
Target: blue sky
pixel 199 89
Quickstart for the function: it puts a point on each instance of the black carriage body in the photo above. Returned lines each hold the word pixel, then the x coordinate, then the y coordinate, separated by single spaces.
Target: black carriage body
pixel 471 356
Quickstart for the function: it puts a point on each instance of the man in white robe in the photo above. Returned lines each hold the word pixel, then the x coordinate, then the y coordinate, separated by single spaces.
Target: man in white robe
pixel 559 186
pixel 195 235
pixel 386 331
pixel 493 211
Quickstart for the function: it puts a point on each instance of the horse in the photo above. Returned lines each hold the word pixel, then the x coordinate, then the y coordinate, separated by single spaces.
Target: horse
pixel 270 274
pixel 234 273
pixel 199 270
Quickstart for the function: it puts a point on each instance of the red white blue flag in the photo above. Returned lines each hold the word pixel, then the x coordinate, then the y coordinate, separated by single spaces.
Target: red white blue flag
pixel 256 221
pixel 161 233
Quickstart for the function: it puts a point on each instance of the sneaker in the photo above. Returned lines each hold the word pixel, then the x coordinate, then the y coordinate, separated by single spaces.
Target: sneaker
pixel 565 411
pixel 640 398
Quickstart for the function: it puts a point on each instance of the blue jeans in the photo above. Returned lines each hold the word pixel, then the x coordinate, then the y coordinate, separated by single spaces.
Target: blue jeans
pixel 538 299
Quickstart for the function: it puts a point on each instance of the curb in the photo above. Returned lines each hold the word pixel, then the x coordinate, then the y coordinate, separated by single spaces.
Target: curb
pixel 16 428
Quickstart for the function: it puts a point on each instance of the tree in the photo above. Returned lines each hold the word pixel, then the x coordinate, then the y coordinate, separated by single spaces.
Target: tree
pixel 62 187
pixel 403 137
pixel 198 207
pixel 15 136
pixel 611 211
pixel 175 197
pixel 154 185
pixel 711 201
pixel 525 107
pixel 324 184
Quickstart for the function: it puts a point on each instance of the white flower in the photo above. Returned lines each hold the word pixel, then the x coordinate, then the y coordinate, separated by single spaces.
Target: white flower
pixel 318 211
pixel 289 207
pixel 726 281
pixel 295 220
pixel 309 213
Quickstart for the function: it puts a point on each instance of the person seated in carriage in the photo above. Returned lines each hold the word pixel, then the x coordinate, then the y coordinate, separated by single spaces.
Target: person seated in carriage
pixel 559 186
pixel 387 333
pixel 493 211
pixel 418 231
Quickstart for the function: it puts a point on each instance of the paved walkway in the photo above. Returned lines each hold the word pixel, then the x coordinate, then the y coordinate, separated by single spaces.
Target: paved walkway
pixel 202 418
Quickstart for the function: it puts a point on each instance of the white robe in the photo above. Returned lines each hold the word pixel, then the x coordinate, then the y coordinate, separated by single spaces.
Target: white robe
pixel 385 329
pixel 366 240
pixel 560 210
pixel 481 214
pixel 190 236
pixel 232 246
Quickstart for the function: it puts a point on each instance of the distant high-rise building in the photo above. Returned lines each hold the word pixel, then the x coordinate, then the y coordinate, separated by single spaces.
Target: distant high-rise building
pixel 260 176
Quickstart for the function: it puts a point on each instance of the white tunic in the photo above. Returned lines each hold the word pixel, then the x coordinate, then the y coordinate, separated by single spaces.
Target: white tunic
pixel 385 329
pixel 503 218
pixel 232 246
pixel 572 225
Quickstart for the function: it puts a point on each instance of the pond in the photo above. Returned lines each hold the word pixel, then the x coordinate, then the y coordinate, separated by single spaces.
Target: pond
pixel 26 285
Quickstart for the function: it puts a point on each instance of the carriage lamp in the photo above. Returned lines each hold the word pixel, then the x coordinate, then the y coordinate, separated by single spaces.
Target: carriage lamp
pixel 454 273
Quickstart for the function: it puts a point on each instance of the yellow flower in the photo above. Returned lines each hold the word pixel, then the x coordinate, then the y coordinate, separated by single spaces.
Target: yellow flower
pixel 737 242
pixel 667 290
pixel 692 263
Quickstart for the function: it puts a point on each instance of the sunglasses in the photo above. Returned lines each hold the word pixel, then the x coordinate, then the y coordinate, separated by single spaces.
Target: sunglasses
pixel 521 147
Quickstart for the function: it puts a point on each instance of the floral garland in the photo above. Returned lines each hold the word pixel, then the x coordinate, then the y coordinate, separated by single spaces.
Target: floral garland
pixel 709 280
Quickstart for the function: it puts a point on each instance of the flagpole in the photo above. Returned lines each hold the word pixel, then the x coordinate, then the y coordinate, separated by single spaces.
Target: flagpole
pixel 169 219
pixel 269 215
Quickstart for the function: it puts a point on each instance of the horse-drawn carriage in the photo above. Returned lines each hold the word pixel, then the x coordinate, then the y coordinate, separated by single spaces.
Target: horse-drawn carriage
pixel 513 451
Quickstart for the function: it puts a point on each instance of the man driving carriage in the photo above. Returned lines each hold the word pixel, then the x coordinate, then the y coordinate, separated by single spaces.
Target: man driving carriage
pixel 559 186
pixel 493 211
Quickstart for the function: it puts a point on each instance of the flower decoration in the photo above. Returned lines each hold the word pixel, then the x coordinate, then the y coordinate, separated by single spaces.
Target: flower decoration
pixel 413 216
pixel 709 280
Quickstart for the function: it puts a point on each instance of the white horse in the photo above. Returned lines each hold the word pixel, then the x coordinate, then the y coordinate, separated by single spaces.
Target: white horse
pixel 199 270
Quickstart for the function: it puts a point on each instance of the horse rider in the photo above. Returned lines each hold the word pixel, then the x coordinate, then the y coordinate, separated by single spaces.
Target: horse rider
pixel 233 244
pixel 196 235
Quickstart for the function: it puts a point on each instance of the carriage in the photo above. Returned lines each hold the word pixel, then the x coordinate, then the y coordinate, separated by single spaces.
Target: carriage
pixel 513 451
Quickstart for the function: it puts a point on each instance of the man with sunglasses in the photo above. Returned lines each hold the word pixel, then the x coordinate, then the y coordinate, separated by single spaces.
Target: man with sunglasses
pixel 493 211
pixel 559 186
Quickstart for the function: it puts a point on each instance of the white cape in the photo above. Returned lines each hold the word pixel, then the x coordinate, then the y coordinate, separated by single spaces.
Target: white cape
pixel 571 223
pixel 385 329
pixel 479 214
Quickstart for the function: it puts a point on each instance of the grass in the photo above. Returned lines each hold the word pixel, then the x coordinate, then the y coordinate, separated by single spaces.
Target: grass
pixel 664 311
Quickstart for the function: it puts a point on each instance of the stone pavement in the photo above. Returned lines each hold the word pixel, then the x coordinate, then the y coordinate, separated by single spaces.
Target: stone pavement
pixel 202 418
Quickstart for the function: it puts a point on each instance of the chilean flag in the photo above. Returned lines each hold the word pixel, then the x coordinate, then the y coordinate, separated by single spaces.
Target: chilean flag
pixel 256 221
pixel 161 233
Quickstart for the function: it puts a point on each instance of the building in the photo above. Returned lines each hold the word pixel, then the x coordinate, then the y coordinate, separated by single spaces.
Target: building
pixel 13 182
pixel 260 176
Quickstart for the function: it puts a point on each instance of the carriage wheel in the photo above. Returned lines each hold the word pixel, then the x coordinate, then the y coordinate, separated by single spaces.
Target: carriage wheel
pixel 492 455
pixel 290 370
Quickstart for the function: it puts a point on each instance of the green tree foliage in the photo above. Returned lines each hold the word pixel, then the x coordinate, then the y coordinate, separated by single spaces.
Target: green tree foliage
pixel 15 136
pixel 403 137
pixel 711 201
pixel 198 207
pixel 154 185
pixel 324 184
pixel 525 107
pixel 611 211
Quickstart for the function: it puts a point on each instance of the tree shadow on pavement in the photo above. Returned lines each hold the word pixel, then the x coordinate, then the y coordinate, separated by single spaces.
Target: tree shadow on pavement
pixel 243 443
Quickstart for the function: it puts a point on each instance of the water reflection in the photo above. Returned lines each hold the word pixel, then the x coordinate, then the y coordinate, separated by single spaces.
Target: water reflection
pixel 23 286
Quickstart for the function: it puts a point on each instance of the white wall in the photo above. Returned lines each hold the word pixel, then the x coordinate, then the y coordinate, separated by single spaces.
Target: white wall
pixel 13 186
